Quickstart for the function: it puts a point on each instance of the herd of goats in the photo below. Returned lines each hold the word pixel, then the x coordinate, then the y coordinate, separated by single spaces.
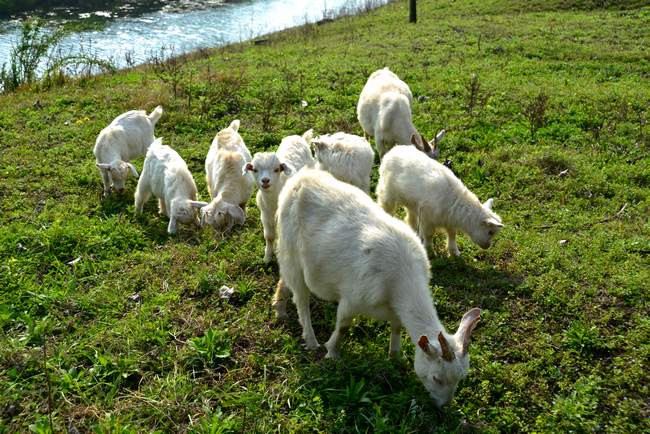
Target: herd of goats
pixel 328 235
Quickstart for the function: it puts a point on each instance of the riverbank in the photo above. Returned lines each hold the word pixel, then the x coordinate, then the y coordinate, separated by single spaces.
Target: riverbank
pixel 135 33
pixel 546 111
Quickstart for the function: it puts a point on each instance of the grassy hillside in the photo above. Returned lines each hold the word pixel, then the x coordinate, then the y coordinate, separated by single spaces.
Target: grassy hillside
pixel 123 327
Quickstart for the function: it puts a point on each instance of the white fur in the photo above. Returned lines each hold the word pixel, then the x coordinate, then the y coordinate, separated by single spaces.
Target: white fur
pixel 229 188
pixel 166 175
pixel 346 156
pixel 127 137
pixel 271 170
pixel 336 243
pixel 434 198
pixel 384 112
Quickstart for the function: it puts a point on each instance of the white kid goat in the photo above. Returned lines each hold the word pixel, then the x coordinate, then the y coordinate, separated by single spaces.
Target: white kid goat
pixel 127 137
pixel 384 112
pixel 338 244
pixel 434 198
pixel 346 156
pixel 270 170
pixel 229 188
pixel 166 175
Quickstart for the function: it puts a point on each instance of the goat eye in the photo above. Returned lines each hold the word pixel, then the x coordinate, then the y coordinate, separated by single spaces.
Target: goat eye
pixel 276 170
pixel 491 232
pixel 255 170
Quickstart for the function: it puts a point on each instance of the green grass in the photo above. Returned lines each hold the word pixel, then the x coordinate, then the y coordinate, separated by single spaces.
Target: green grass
pixel 139 340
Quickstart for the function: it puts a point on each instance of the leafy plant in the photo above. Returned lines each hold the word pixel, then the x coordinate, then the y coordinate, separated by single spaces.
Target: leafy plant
pixel 215 422
pixel 210 348
pixel 582 338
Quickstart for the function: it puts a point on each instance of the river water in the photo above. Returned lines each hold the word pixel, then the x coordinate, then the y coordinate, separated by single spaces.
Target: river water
pixel 182 25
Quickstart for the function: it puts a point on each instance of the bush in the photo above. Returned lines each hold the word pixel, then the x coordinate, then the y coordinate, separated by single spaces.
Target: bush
pixel 33 47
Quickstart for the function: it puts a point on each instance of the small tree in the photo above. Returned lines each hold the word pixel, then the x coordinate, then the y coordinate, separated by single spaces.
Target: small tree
pixel 33 47
pixel 535 112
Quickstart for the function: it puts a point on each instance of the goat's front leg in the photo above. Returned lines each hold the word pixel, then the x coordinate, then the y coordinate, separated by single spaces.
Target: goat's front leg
pixel 395 339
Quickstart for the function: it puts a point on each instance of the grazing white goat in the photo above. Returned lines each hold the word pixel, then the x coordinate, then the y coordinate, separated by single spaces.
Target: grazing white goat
pixel 166 175
pixel 346 156
pixel 338 244
pixel 434 198
pixel 270 170
pixel 127 137
pixel 229 187
pixel 384 112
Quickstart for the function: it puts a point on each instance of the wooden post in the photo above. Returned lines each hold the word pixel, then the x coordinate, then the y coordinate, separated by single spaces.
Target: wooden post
pixel 413 14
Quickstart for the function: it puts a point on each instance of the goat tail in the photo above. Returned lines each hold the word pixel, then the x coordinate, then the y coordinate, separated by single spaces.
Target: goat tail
pixel 156 114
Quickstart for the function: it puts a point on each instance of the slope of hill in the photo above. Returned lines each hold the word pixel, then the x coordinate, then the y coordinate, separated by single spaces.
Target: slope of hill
pixel 546 111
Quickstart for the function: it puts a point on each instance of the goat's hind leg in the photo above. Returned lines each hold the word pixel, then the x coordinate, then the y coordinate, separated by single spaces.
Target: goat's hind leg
pixel 301 300
pixel 343 321
pixel 280 300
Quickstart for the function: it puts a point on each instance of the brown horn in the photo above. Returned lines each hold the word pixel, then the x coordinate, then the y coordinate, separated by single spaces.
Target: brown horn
pixel 447 354
pixel 426 147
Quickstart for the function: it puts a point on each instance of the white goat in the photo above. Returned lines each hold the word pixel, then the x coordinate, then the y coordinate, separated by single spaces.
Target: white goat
pixel 229 187
pixel 270 170
pixel 434 198
pixel 337 243
pixel 346 156
pixel 127 137
pixel 384 112
pixel 166 175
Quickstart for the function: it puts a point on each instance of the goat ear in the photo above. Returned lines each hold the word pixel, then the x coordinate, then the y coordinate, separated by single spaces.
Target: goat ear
pixel 308 136
pixel 414 141
pixel 318 144
pixel 467 324
pixel 133 170
pixel 488 203
pixel 286 169
pixel 493 223
pixel 171 228
pixel 103 166
pixel 237 214
pixel 202 218
pixel 426 148
pixel 234 125
pixel 247 167
pixel 435 146
pixel 197 204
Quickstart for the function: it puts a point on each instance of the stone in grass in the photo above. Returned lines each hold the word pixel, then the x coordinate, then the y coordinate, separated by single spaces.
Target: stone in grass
pixel 226 292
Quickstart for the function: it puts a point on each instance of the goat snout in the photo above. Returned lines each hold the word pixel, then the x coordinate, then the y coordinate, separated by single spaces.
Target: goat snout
pixel 265 182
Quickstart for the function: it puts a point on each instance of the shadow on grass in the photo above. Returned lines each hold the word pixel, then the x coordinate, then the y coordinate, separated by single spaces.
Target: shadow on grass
pixel 364 389
pixel 367 390
pixel 115 203
pixel 470 284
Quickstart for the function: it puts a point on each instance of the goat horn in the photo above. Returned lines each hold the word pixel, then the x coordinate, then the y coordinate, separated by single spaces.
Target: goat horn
pixel 447 354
